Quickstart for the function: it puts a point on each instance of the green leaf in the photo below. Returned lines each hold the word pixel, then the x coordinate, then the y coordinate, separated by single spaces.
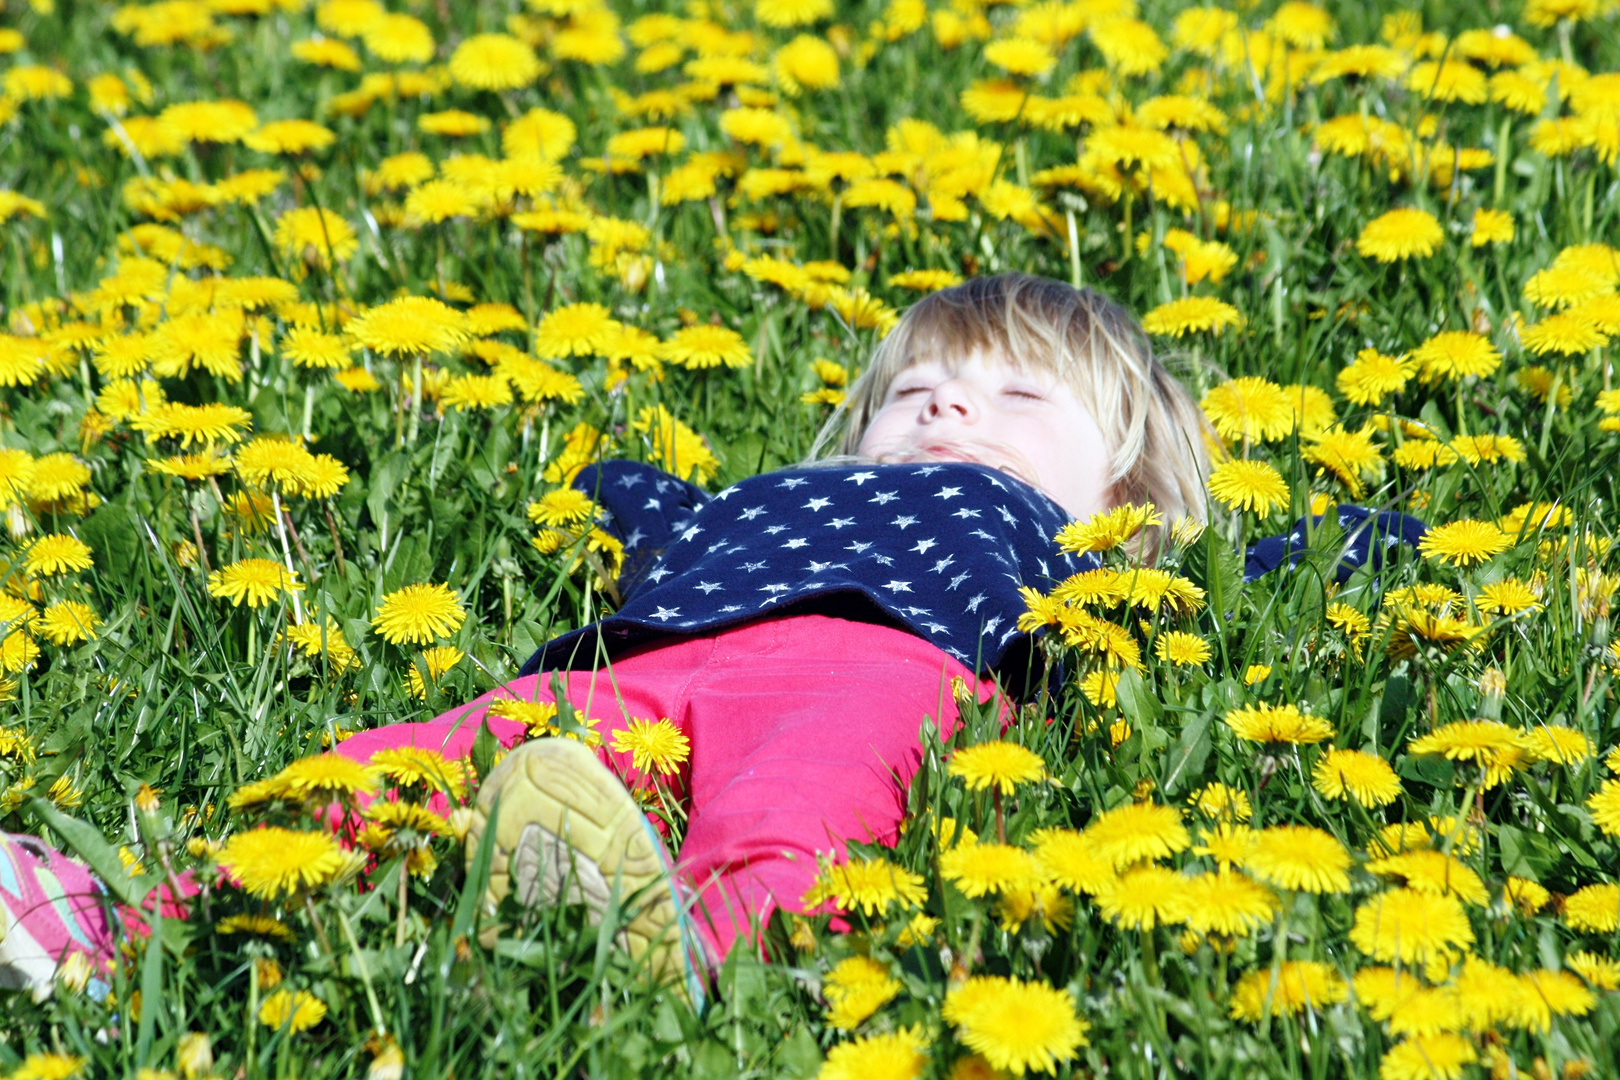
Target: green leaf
pixel 1136 701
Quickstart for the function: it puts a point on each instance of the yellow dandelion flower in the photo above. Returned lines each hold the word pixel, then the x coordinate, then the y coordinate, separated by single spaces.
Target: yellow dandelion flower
pixel 1242 484
pixel 68 621
pixel 1468 740
pixel 256 582
pixel 1298 985
pixel 707 346
pixel 1299 857
pixel 1016 1026
pixel 1249 409
pixel 417 614
pixel 1411 927
pixel 413 766
pixel 1191 314
pixel 654 745
pixel 1136 832
pixel 1595 908
pixel 410 324
pixel 978 869
pixel 1399 234
pixel 1437 1056
pixel 856 988
pixel 871 886
pixel 293 1011
pixel 898 1055
pixel 1456 354
pixel 437 661
pixel 57 553
pixel 1367 778
pixel 1464 542
pixel 494 62
pixel 999 765
pixel 316 236
pixel 1491 227
pixel 1227 903
pixel 273 862
pixel 1277 723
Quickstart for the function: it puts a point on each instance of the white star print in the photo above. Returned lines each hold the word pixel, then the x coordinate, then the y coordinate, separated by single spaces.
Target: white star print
pixel 636 536
pixel 915 611
pixel 923 546
pixel 990 627
pixel 883 560
pixel 691 532
pixel 630 480
pixel 840 523
pixel 957 580
pixel 658 574
pixel 904 522
pixel 966 512
pixel 708 587
pixel 1007 516
pixel 653 504
pixel 816 504
pixel 947 493
pixel 729 608
pixel 796 542
pixel 774 588
pixel 752 566
pixel 859 479
pixel 665 614
pixel 792 482
pixel 982 535
pixel 928 470
pixel 883 498
pixel 898 586
pixel 939 567
pixel 936 628
pixel 726 494
pixel 858 546
pixel 751 513
pixel 772 530
pixel 974 601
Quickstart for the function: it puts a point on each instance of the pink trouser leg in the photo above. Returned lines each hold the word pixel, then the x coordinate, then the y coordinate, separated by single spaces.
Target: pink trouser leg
pixel 804 735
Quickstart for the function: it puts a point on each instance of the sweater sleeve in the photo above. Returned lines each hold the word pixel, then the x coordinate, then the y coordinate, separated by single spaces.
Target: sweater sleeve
pixel 646 509
pixel 1368 538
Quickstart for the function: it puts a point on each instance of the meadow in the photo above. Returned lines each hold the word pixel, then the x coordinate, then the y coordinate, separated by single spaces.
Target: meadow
pixel 312 311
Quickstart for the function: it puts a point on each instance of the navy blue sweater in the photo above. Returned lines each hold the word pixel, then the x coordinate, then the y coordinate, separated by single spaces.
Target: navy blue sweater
pixel 939 550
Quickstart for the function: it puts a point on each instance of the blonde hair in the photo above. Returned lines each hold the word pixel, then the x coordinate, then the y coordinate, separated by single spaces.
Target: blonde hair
pixel 1154 431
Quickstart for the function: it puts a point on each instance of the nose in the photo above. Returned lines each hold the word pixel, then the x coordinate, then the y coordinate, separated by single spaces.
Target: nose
pixel 952 399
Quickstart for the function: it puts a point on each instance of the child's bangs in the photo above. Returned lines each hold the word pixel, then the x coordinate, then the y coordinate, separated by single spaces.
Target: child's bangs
pixel 1021 323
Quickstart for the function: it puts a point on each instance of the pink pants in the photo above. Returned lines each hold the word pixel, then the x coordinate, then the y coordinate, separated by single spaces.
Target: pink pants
pixel 804 734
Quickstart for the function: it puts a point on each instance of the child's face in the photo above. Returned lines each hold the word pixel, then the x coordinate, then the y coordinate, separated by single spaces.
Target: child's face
pixel 1025 423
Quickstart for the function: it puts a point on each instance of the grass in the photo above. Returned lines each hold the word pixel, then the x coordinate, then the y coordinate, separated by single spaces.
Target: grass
pixel 136 738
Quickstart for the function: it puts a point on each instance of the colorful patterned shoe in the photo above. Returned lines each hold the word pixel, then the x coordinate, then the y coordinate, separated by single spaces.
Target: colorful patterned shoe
pixel 568 831
pixel 50 908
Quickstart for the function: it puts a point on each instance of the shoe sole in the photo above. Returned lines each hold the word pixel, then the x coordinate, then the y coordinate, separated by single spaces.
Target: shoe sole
pixel 568 831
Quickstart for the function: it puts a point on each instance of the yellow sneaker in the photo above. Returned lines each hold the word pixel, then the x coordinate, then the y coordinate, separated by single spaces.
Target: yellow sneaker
pixel 567 830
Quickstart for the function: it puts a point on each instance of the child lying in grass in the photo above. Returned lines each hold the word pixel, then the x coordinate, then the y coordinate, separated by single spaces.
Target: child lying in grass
pixel 798 628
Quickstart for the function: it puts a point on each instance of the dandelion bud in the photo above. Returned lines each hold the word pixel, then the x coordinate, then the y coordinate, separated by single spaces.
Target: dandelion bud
pixel 194 1055
pixel 146 799
pixel 1492 683
pixel 269 973
pixel 389 1064
pixel 460 821
pixel 74 974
